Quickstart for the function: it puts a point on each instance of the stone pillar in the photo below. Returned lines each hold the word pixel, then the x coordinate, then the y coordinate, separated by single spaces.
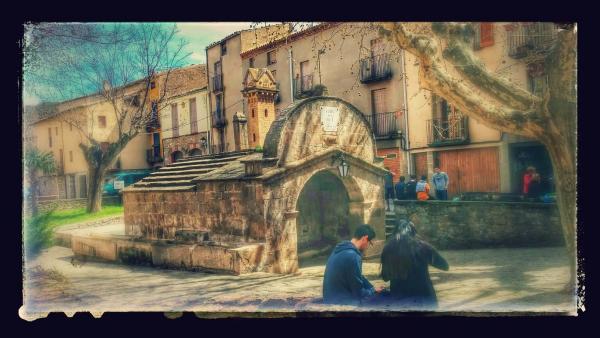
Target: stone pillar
pixel 240 131
pixel 504 159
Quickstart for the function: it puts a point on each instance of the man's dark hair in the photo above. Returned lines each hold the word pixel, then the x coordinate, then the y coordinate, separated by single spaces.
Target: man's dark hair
pixel 423 177
pixel 413 176
pixel 363 230
pixel 402 178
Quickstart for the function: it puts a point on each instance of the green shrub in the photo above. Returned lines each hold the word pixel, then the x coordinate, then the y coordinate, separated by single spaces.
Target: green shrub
pixel 38 233
pixel 258 149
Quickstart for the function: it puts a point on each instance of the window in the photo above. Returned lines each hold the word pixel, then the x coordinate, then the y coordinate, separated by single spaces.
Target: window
pixel 193 116
pixel 50 137
pixel 271 57
pixel 266 112
pixel 102 121
pixel 252 112
pixel 224 48
pixel 378 99
pixel 253 137
pixel 251 63
pixel 70 155
pixel 174 120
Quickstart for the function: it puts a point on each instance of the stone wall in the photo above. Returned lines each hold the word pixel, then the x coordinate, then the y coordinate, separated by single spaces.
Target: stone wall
pixel 228 210
pixel 484 224
pixel 74 203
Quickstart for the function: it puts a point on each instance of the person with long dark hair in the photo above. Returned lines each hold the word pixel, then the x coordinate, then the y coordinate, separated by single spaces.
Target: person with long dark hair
pixel 404 262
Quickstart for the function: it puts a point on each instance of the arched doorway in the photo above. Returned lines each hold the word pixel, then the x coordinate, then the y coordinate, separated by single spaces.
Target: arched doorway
pixel 323 215
pixel 195 152
pixel 176 156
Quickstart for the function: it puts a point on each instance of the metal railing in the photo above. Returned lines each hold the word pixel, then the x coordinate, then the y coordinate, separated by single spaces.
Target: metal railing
pixel 445 132
pixel 217 83
pixel 303 84
pixel 386 125
pixel 376 68
pixel 218 119
pixel 524 39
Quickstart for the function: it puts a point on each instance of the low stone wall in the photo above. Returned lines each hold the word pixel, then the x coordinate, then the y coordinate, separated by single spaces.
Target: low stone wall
pixel 73 203
pixel 483 224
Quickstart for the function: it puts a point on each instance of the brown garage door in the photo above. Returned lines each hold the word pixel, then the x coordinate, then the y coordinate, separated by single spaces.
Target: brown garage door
pixel 471 170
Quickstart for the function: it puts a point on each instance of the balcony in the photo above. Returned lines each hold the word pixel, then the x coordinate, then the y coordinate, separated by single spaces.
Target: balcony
pixel 217 83
pixel 218 119
pixel 376 68
pixel 303 86
pixel 442 132
pixel 529 39
pixel 386 125
pixel 154 122
pixel 153 155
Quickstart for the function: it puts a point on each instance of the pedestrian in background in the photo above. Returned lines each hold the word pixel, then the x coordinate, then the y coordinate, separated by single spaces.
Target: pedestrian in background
pixel 400 189
pixel 423 189
pixel 440 183
pixel 411 188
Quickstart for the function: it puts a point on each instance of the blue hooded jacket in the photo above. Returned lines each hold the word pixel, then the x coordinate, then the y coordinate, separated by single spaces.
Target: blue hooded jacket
pixel 343 282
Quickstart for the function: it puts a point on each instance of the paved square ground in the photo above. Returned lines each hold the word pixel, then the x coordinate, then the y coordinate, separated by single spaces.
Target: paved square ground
pixel 497 280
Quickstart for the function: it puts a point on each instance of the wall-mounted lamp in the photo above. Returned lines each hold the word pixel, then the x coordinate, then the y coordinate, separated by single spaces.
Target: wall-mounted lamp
pixel 343 166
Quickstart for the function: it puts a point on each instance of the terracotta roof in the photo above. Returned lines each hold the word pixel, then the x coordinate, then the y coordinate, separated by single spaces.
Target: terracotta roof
pixel 290 38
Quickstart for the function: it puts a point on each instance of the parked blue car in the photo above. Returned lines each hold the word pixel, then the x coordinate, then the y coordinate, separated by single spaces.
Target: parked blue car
pixel 128 177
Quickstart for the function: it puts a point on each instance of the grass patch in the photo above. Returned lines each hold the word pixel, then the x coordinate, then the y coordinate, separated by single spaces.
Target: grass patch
pixel 63 217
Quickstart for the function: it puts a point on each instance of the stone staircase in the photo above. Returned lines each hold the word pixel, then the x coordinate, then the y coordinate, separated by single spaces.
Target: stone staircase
pixel 390 223
pixel 178 176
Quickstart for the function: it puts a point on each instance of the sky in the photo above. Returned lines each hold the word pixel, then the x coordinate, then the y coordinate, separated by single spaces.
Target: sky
pixel 197 34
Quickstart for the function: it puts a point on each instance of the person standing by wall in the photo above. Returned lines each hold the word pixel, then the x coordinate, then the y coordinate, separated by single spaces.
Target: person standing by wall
pixel 527 180
pixel 440 183
pixel 423 189
pixel 400 189
pixel 411 188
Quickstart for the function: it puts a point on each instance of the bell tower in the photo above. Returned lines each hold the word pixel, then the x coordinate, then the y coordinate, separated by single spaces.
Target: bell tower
pixel 259 89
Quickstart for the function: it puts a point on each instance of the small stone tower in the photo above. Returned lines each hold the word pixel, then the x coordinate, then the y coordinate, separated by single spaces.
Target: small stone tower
pixel 259 89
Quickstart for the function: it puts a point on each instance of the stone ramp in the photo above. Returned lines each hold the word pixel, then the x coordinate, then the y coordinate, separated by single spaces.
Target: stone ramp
pixel 178 176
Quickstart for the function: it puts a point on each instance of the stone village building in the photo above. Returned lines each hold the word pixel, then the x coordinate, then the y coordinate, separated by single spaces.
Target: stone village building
pixel 252 211
pixel 413 135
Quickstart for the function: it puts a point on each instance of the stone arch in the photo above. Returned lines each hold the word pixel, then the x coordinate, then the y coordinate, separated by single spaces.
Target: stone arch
pixel 176 155
pixel 299 131
pixel 195 152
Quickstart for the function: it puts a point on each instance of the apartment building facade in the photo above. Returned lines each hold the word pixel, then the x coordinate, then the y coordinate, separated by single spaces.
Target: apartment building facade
pixel 302 63
pixel 478 158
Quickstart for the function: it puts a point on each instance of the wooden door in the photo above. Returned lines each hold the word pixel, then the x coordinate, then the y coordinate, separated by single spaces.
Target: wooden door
pixel 471 170
pixel 420 161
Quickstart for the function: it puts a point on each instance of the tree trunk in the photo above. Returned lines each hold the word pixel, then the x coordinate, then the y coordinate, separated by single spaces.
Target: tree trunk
pixel 565 179
pixel 33 187
pixel 95 188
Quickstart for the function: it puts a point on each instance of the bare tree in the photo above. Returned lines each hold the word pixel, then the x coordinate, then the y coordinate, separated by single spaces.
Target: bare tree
pixel 111 65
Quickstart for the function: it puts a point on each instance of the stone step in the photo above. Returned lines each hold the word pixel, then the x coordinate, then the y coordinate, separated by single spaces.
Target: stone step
pixel 181 172
pixel 191 165
pixel 169 188
pixel 162 183
pixel 169 178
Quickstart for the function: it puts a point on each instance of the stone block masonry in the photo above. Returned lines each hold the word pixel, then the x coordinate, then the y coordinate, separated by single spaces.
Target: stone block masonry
pixel 483 224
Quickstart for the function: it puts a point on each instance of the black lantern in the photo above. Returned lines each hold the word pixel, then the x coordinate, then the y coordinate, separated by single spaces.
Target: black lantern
pixel 343 167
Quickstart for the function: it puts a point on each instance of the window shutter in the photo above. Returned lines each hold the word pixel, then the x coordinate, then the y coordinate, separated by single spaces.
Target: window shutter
pixel 486 34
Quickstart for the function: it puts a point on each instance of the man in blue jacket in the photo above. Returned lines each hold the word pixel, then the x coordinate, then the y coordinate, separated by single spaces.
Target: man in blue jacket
pixel 343 282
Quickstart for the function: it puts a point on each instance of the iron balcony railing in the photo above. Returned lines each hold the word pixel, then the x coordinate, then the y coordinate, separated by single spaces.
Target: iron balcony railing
pixel 376 68
pixel 386 125
pixel 303 84
pixel 525 39
pixel 217 83
pixel 450 131
pixel 153 122
pixel 218 119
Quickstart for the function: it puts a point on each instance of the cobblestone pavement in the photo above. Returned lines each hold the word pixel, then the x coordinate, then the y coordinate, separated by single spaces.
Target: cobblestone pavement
pixel 492 280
